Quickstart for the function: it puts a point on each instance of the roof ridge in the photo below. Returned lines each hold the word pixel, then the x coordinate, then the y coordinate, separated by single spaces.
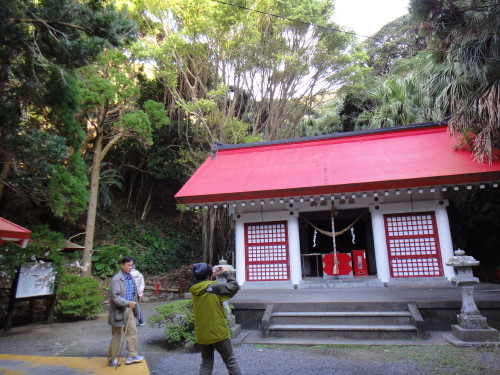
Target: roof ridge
pixel 228 146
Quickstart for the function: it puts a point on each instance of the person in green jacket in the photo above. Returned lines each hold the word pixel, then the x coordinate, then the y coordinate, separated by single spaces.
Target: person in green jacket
pixel 210 320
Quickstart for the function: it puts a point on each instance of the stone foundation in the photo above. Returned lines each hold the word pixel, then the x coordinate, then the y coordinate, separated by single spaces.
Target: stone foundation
pixel 475 335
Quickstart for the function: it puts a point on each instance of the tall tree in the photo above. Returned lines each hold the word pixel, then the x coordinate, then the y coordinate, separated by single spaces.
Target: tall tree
pixel 396 40
pixel 465 38
pixel 110 114
pixel 225 65
pixel 41 43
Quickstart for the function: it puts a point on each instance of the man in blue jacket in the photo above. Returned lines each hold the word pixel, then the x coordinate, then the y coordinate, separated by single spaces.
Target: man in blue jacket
pixel 123 308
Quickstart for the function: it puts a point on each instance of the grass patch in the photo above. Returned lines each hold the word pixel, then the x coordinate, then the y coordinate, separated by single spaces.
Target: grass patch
pixel 436 359
pixel 447 359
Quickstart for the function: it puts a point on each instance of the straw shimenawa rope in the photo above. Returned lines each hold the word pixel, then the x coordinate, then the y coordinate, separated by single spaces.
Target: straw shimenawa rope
pixel 326 233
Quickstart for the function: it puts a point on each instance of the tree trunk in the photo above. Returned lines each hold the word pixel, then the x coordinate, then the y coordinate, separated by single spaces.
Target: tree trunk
pixel 147 206
pixel 4 175
pixel 92 211
pixel 217 236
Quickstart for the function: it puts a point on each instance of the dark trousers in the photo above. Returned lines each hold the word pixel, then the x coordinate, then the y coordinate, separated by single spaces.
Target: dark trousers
pixel 225 349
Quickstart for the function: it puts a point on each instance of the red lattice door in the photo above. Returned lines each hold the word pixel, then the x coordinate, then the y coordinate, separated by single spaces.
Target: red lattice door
pixel 266 251
pixel 413 245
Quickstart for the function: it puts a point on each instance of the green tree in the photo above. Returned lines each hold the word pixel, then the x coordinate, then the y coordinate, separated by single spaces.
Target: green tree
pixel 111 114
pixel 230 71
pixel 465 38
pixel 51 176
pixel 396 40
pixel 41 43
pixel 397 101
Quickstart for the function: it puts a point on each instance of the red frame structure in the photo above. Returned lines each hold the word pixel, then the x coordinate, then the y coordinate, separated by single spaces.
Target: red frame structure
pixel 413 245
pixel 266 251
pixel 13 233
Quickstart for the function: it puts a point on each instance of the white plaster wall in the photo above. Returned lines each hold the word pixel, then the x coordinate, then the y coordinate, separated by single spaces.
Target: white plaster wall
pixel 445 240
pixel 381 256
pixel 294 249
pixel 239 233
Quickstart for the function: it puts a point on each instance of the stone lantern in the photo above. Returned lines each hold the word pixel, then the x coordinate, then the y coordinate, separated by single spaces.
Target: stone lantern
pixel 472 326
pixel 235 328
pixel 230 269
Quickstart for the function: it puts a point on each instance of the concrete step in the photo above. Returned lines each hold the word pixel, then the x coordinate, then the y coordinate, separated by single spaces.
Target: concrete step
pixel 342 331
pixel 340 327
pixel 366 321
pixel 342 317
pixel 341 313
pixel 340 307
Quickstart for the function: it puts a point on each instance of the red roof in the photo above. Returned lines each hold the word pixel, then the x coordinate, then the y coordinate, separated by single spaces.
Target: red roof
pixel 403 157
pixel 13 232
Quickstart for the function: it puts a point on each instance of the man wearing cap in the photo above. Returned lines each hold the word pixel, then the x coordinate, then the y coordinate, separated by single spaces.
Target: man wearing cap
pixel 210 320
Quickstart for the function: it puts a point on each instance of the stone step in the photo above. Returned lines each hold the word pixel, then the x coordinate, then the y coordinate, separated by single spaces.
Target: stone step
pixel 341 327
pixel 342 317
pixel 340 313
pixel 342 331
pixel 336 322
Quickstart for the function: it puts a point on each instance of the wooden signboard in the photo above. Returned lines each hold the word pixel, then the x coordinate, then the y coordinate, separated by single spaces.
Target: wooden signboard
pixel 33 281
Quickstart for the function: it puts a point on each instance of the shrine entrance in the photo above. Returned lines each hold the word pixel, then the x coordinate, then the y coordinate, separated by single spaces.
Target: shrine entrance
pixel 355 248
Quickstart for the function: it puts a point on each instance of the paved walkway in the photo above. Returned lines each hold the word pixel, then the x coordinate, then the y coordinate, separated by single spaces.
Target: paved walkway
pixel 38 365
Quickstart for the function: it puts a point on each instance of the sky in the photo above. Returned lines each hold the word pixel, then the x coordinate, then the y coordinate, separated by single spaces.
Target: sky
pixel 366 17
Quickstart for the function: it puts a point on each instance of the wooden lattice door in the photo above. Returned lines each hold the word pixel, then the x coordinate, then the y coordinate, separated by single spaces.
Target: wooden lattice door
pixel 413 245
pixel 266 251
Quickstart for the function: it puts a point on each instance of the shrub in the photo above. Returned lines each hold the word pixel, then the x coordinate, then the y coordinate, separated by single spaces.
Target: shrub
pixel 178 320
pixel 78 297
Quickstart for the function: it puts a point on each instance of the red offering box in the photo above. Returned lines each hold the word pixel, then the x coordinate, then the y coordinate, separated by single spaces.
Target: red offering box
pixel 359 263
pixel 345 265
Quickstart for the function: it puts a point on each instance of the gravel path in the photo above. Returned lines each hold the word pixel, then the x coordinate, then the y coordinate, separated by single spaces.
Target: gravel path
pixel 349 360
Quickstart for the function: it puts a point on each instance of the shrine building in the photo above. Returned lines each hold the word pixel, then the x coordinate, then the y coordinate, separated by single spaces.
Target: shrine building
pixel 385 189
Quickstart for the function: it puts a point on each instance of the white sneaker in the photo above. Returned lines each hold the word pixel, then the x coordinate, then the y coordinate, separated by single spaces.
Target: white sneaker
pixel 114 363
pixel 131 360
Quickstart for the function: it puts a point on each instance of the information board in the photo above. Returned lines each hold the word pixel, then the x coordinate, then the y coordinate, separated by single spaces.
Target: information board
pixel 35 279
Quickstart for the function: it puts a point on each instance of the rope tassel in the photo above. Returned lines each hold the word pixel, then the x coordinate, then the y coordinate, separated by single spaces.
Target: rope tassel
pixel 335 270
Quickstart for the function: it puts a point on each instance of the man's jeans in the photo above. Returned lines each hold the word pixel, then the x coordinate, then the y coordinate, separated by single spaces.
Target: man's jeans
pixel 225 349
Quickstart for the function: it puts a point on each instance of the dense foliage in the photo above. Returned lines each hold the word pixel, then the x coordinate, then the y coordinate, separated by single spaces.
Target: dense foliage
pixel 105 261
pixel 155 249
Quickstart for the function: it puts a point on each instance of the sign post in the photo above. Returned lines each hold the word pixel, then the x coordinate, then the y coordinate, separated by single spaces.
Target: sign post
pixel 33 281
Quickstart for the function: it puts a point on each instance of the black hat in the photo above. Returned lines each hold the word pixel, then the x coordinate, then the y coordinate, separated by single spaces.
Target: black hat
pixel 202 270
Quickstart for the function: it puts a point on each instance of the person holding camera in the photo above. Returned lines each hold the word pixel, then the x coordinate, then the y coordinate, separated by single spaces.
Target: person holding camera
pixel 211 326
